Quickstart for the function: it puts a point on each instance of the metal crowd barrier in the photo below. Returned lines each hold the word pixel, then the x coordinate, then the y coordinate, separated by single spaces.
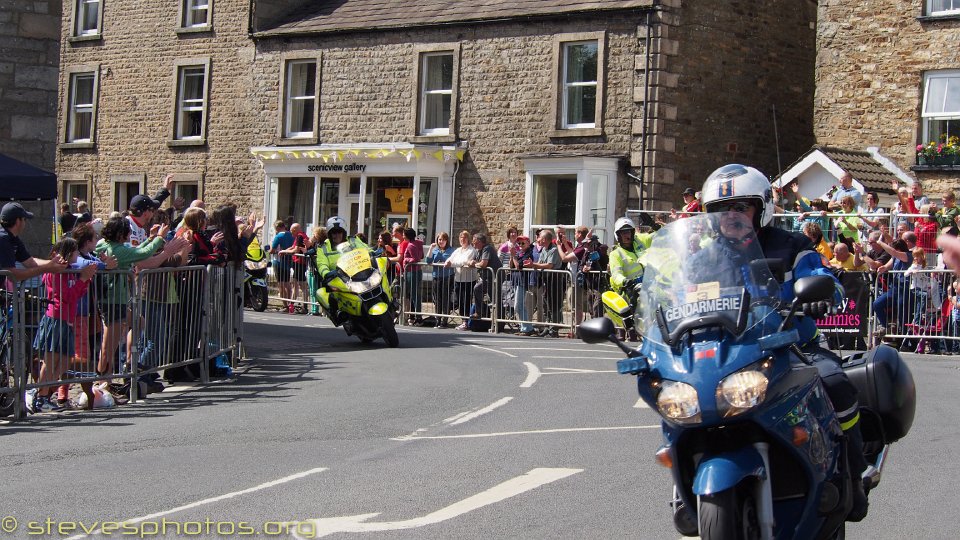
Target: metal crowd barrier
pixel 224 301
pixel 293 284
pixel 915 309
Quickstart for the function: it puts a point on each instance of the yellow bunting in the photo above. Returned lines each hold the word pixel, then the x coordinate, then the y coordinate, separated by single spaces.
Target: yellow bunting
pixel 417 154
pixel 460 154
pixel 438 155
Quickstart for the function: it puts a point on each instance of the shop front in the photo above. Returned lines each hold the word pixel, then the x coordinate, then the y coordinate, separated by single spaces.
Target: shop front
pixel 373 187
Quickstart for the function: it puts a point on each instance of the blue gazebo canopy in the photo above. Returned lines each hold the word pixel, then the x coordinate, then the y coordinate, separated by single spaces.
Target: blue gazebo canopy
pixel 22 182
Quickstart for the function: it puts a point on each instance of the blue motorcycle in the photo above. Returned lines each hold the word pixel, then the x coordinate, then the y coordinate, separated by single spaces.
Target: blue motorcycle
pixel 751 438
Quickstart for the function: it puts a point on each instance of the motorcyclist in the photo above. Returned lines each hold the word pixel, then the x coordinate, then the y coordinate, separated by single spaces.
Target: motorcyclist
pixel 327 256
pixel 626 271
pixel 737 189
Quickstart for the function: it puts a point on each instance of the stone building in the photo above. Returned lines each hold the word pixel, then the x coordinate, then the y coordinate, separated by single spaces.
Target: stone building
pixel 888 76
pixel 30 45
pixel 449 115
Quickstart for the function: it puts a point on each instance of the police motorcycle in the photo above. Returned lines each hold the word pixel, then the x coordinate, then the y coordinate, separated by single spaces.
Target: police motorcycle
pixel 620 306
pixel 362 295
pixel 255 264
pixel 750 437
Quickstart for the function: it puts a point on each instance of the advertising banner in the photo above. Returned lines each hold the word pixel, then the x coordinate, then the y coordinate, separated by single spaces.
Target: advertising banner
pixel 847 329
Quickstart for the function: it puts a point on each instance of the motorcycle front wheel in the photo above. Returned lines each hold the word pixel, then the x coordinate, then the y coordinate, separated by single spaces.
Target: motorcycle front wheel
pixel 259 298
pixel 729 515
pixel 389 330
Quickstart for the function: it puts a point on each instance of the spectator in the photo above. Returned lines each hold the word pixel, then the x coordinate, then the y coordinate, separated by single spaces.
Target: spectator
pixel 949 216
pixel 487 263
pixel 553 282
pixel 595 260
pixel 925 291
pixel 812 231
pixel 504 282
pixel 876 256
pixel 397 233
pixel 926 230
pixel 13 220
pixel 385 248
pixel 520 278
pixel 440 252
pixel 115 303
pixel 848 226
pixel 55 338
pixel 282 241
pixel 811 211
pixel 895 296
pixel 83 215
pixel 203 250
pixel 577 298
pixel 66 219
pixel 846 190
pixel 317 239
pixel 871 214
pixel 464 276
pixel 298 264
pixel 952 296
pixel 508 246
pixel 142 210
pixel 411 253
pixel 691 203
pixel 845 261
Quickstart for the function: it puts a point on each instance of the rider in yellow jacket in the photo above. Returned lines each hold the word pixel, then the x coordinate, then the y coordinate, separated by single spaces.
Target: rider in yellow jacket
pixel 625 267
pixel 327 256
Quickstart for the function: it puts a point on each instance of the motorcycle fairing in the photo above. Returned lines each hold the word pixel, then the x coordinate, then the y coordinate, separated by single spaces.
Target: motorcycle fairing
pixel 724 470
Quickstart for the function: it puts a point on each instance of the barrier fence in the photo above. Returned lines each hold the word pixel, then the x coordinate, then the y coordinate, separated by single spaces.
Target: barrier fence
pixel 116 326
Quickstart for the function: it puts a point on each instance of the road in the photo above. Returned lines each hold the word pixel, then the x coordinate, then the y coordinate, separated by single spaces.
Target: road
pixel 453 435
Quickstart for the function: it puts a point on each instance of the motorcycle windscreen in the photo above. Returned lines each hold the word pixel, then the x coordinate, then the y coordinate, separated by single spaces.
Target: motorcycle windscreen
pixel 698 268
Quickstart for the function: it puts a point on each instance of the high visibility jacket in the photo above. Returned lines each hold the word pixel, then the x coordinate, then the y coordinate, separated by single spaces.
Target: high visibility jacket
pixel 624 264
pixel 328 255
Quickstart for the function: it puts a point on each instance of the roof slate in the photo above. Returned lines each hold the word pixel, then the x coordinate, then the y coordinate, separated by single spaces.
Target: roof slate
pixel 352 15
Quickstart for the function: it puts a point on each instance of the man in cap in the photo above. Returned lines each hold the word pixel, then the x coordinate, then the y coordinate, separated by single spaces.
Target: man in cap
pixel 142 210
pixel 690 201
pixel 13 221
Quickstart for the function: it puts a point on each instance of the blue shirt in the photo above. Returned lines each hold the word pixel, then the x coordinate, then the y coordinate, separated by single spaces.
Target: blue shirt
pixel 438 257
pixel 283 240
pixel 843 192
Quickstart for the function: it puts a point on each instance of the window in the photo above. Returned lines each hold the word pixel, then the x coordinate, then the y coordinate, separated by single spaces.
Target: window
pixel 125 188
pixel 941 105
pixel 572 191
pixel 70 190
pixel 943 7
pixel 87 18
pixel 196 13
pixel 580 85
pixel 80 120
pixel 436 93
pixel 190 115
pixel 555 200
pixel 301 97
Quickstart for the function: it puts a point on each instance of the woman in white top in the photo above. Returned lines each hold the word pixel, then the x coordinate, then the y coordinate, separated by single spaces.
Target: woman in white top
pixel 925 288
pixel 464 277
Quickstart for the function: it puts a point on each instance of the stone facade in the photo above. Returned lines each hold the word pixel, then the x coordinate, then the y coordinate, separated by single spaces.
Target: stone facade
pixel 872 56
pixel 30 41
pixel 714 72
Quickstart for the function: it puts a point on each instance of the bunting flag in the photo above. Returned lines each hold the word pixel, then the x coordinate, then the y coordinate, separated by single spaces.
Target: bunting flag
pixel 379 153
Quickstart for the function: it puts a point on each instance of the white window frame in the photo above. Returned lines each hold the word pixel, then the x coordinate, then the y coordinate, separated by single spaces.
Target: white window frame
pixel 182 106
pixel 80 18
pixel 190 7
pixel 568 86
pixel 68 183
pixel 425 93
pixel 120 182
pixel 290 99
pixel 944 12
pixel 926 118
pixel 594 176
pixel 76 109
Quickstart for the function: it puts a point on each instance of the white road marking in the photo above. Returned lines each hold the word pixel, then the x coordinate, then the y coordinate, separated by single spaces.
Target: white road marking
pixel 531 432
pixel 415 330
pixel 574 371
pixel 641 404
pixel 317 528
pixel 555 357
pixel 539 349
pixel 265 485
pixel 494 350
pixel 533 373
pixel 476 414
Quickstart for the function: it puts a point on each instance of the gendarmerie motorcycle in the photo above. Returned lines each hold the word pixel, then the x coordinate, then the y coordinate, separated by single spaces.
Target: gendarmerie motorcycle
pixel 750 436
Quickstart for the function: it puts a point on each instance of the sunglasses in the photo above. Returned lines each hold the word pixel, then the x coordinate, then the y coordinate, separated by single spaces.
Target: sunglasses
pixel 739 206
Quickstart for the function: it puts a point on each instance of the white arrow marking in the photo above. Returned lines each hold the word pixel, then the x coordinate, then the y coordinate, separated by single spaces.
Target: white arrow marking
pixel 494 350
pixel 533 373
pixel 641 404
pixel 414 437
pixel 513 487
pixel 574 371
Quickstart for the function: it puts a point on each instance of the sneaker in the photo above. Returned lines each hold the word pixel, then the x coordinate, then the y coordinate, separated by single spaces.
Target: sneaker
pixel 463 326
pixel 43 405
pixel 66 404
pixel 291 309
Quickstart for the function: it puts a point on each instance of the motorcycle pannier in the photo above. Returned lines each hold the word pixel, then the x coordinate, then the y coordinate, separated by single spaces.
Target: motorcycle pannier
pixel 886 386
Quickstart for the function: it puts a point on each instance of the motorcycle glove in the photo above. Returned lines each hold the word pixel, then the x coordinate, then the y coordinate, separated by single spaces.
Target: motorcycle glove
pixel 816 309
pixel 329 276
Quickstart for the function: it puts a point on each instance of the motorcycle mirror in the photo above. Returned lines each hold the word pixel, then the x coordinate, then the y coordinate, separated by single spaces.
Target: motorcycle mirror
pixel 813 289
pixel 597 330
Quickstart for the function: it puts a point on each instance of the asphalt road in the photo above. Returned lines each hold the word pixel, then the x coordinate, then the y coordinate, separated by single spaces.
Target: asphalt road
pixel 453 435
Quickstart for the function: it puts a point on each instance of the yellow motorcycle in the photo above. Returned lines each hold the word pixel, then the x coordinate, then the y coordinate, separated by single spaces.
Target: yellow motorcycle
pixel 621 308
pixel 362 296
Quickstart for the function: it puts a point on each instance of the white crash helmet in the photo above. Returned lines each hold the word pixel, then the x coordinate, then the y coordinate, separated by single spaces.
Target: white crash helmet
pixel 622 224
pixel 336 222
pixel 739 182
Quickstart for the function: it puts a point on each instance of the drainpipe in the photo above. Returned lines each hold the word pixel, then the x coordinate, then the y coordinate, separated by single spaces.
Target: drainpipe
pixel 646 108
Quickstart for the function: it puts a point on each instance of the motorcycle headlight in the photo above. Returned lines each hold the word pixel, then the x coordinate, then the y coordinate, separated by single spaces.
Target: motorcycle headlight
pixel 678 401
pixel 373 280
pixel 741 391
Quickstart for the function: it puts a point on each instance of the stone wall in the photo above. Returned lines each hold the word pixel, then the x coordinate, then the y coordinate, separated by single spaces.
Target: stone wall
pixel 136 56
pixel 719 70
pixel 872 55
pixel 30 41
pixel 505 112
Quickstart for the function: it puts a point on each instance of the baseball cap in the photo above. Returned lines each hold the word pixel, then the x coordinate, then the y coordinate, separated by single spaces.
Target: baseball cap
pixel 690 191
pixel 523 239
pixel 12 210
pixel 142 202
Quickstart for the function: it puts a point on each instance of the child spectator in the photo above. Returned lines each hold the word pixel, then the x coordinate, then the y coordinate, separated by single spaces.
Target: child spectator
pixel 55 338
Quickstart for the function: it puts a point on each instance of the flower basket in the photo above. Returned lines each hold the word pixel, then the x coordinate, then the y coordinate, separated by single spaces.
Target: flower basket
pixel 943 160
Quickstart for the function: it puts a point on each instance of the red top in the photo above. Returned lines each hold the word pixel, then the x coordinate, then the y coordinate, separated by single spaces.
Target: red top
pixel 64 292
pixel 926 231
